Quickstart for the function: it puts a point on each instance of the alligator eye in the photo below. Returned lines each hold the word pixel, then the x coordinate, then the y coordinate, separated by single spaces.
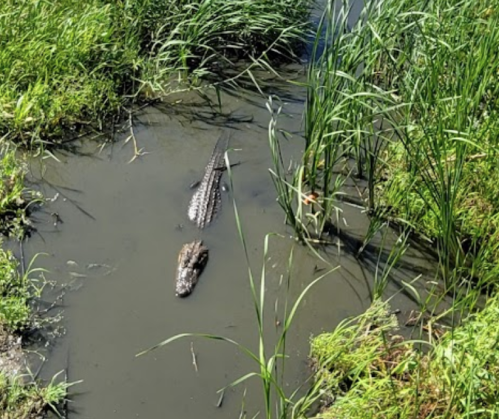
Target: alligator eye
pixel 200 263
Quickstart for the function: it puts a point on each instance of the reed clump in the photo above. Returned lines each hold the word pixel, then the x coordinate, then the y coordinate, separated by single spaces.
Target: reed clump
pixel 70 64
pixel 405 103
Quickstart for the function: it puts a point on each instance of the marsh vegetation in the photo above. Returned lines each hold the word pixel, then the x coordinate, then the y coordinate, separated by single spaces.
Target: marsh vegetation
pixel 403 103
pixel 69 64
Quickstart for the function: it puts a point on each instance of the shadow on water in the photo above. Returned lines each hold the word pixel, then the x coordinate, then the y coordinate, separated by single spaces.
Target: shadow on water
pixel 207 108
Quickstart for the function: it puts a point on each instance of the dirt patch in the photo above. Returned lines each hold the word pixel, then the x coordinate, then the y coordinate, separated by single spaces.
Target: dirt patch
pixel 12 359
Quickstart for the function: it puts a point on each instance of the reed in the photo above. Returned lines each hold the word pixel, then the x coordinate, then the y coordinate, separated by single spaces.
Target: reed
pixel 342 111
pixel 395 100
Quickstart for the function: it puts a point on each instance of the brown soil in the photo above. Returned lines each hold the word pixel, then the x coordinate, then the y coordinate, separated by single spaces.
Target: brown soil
pixel 12 360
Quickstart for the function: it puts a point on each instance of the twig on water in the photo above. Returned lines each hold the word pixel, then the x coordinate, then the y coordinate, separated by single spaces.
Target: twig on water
pixel 54 304
pixel 194 361
pixel 136 151
pixel 221 399
pixel 21 252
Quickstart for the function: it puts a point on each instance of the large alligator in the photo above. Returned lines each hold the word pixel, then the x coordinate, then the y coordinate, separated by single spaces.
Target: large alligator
pixel 203 207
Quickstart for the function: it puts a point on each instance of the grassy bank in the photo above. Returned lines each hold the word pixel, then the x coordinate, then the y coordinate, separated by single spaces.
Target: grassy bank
pixel 404 103
pixel 20 397
pixel 368 371
pixel 67 63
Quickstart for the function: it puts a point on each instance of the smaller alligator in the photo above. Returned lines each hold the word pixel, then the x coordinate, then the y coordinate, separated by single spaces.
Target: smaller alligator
pixel 191 261
pixel 203 207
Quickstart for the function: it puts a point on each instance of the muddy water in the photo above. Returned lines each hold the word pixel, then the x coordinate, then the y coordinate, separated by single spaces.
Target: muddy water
pixel 114 250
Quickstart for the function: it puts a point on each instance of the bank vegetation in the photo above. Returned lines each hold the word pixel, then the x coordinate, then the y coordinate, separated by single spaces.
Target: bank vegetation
pixel 405 104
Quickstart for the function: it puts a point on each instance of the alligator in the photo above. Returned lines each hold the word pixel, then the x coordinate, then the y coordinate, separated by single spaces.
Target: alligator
pixel 191 261
pixel 203 207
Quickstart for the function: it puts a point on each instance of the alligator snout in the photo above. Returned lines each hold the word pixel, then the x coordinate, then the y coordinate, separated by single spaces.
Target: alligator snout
pixel 192 260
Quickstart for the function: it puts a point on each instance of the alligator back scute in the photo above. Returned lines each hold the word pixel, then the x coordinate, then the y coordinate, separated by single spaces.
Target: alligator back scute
pixel 207 201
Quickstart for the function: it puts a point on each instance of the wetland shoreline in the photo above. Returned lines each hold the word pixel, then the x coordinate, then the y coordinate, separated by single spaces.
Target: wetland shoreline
pixel 432 170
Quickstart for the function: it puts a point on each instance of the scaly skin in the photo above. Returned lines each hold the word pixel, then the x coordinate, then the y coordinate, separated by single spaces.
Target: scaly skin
pixel 203 208
pixel 191 261
pixel 206 201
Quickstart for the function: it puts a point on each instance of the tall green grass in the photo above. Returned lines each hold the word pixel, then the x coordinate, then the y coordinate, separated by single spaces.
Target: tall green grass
pixel 201 39
pixel 68 63
pixel 407 100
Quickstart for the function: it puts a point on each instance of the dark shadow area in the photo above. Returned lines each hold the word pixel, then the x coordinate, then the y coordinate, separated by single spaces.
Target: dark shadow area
pixel 372 258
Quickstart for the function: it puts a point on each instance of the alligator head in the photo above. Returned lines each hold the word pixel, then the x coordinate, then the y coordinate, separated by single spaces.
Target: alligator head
pixel 191 261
